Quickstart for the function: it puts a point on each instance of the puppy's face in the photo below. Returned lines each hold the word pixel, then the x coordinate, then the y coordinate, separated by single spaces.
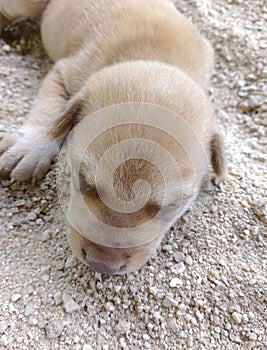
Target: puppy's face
pixel 135 168
pixel 113 239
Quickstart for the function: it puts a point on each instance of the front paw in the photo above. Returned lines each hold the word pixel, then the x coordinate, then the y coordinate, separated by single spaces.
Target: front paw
pixel 27 154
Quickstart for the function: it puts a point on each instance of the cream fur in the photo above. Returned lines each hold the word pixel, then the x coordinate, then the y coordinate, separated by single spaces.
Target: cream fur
pixel 112 52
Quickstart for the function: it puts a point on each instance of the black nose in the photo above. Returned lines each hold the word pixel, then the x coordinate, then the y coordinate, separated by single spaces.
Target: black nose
pixel 102 267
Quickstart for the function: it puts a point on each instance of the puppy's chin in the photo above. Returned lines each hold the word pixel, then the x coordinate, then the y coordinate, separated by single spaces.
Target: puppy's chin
pixel 109 260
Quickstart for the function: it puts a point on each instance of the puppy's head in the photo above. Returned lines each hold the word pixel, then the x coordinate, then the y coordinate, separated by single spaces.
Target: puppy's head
pixel 137 157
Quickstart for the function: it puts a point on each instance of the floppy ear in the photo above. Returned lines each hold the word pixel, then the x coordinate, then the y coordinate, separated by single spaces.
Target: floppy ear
pixel 67 118
pixel 217 156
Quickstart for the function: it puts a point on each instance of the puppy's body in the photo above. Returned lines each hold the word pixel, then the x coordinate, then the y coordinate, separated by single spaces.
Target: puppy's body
pixel 102 33
pixel 109 53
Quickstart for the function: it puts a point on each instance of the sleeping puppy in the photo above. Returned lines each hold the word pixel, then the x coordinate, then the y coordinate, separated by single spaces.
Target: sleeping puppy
pixel 128 87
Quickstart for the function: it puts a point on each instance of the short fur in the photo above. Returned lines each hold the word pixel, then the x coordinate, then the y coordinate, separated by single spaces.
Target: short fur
pixel 110 52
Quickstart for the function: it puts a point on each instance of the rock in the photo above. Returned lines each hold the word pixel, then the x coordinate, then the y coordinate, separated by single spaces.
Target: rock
pixel 3 326
pixel 133 289
pixel 76 339
pixel 45 277
pixel 235 338
pixel 178 268
pixel 175 282
pixel 260 210
pixel 32 321
pixel 87 347
pixel 237 317
pixel 46 235
pixel 188 260
pixel 147 345
pixel 29 309
pixel 172 324
pixel 71 262
pixel 15 297
pixel 4 340
pixel 6 48
pixel 252 336
pixel 109 306
pixel 250 104
pixel 32 216
pixel 178 257
pixel 123 327
pixel 54 329
pixel 41 324
pixel 2 128
pixel 117 288
pixel 167 248
pixel 244 107
pixel 58 298
pixel 19 203
pixel 29 204
pixel 69 304
pixel 168 302
pixel 157 315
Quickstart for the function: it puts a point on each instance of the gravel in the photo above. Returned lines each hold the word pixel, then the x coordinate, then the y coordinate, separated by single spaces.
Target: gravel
pixel 205 288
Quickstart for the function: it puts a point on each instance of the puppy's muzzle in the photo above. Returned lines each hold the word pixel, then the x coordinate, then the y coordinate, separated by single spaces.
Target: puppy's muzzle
pixel 101 267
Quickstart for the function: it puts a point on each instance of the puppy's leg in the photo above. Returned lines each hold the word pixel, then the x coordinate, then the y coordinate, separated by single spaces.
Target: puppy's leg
pixel 29 152
pixel 12 9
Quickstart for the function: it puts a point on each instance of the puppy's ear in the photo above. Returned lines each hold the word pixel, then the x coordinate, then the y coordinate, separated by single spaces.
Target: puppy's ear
pixel 67 118
pixel 217 156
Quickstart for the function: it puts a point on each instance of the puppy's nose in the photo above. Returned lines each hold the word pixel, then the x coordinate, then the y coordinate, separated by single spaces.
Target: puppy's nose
pixel 102 267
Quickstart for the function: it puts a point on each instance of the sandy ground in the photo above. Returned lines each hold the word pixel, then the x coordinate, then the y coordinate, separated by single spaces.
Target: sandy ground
pixel 204 289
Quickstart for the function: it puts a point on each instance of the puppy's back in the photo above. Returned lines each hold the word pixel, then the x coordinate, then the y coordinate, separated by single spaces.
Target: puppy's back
pixel 123 30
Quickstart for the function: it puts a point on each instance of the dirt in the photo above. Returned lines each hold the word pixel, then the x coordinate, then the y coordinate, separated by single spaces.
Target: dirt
pixel 206 286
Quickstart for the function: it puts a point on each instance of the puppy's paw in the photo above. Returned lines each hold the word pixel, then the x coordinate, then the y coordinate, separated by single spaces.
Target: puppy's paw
pixel 27 154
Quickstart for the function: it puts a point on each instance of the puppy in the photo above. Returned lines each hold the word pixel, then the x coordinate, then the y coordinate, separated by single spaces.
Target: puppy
pixel 128 87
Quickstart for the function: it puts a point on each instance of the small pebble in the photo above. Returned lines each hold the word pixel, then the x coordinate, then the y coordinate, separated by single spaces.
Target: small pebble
pixel 6 48
pixel 58 298
pixel 237 317
pixel 4 340
pixel 15 297
pixel 3 326
pixel 2 128
pixel 188 260
pixel 123 327
pixel 33 321
pixel 69 304
pixel 253 336
pixel 19 203
pixel 46 235
pixel 109 306
pixel 178 257
pixel 71 262
pixel 178 268
pixel 117 288
pixel 29 309
pixel 76 339
pixel 175 282
pixel 32 216
pixel 54 329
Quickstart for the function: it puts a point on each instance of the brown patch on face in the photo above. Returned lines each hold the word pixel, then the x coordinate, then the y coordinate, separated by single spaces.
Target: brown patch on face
pixel 116 219
pixel 124 179
pixel 128 173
